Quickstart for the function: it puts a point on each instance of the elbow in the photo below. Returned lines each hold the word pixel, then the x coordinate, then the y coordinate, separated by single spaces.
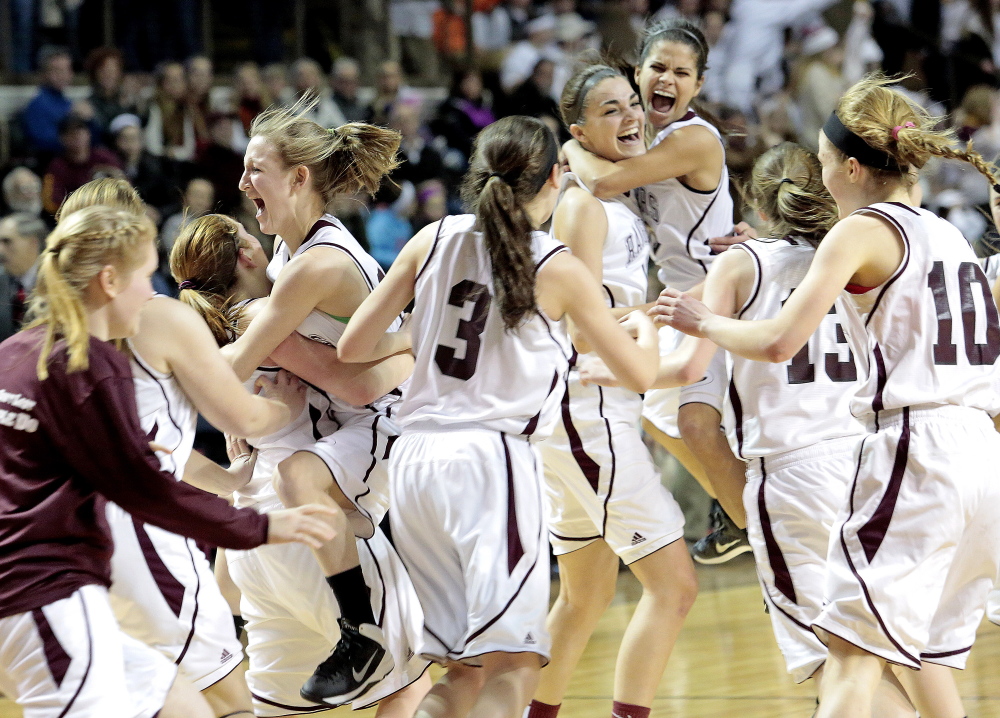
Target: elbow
pixel 602 188
pixel 359 393
pixel 640 381
pixel 348 351
pixel 779 351
pixel 689 375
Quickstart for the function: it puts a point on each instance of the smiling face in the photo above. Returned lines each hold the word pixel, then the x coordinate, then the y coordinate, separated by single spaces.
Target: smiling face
pixel 668 80
pixel 268 183
pixel 612 123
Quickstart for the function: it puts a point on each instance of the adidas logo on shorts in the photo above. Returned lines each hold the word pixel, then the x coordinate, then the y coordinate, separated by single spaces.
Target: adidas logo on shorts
pixel 226 655
pixel 637 539
pixel 529 640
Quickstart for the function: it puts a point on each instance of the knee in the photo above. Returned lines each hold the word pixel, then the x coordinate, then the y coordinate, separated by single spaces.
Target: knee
pixel 295 480
pixel 698 421
pixel 677 588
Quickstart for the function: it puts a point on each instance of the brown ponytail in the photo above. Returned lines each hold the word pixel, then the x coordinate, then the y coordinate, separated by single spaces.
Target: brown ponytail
pixel 81 245
pixel 786 186
pixel 512 160
pixel 203 262
pixel 344 160
pixel 890 122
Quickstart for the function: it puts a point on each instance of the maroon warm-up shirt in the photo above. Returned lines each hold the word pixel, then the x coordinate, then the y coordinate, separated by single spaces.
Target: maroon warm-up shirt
pixel 67 444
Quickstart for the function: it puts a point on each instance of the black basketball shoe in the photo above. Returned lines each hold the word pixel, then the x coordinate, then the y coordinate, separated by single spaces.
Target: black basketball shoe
pixel 358 662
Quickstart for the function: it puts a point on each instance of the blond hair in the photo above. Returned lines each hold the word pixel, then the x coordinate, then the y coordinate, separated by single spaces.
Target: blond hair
pixel 203 262
pixel 343 160
pixel 108 192
pixel 889 121
pixel 77 250
pixel 786 186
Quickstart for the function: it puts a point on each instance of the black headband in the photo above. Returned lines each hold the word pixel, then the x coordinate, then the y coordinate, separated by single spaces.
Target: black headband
pixel 588 85
pixel 853 146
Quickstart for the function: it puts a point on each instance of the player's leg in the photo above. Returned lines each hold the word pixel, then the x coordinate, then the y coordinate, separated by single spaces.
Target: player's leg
pixel 933 691
pixel 404 703
pixel 850 679
pixel 890 699
pixel 700 428
pixel 184 701
pixel 230 696
pixel 587 579
pixel 455 693
pixel 680 451
pixel 669 588
pixel 509 681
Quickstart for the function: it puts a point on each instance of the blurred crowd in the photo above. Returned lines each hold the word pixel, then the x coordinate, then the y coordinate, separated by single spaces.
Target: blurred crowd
pixel 177 129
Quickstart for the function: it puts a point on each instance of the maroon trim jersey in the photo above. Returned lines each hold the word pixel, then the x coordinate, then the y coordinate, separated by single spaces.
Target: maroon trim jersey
pixel 66 445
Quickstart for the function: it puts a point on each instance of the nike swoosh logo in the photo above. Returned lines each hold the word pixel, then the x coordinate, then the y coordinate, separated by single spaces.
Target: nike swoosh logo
pixel 360 676
pixel 721 547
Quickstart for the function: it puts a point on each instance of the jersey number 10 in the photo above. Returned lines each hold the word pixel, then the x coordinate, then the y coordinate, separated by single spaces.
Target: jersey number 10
pixel 945 352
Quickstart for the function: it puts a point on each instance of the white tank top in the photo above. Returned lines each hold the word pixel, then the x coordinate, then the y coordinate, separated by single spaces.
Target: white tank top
pixel 626 250
pixel 774 408
pixel 930 333
pixel 469 370
pixel 328 231
pixel 991 268
pixel 165 413
pixel 684 219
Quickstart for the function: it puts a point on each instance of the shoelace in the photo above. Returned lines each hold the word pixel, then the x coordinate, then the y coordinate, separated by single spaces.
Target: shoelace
pixel 342 651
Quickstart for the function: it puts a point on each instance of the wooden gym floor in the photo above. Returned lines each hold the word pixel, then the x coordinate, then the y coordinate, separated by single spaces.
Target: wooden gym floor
pixel 726 662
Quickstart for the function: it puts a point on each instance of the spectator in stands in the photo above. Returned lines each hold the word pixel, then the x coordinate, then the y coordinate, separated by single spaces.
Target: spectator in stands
pixel 143 170
pixel 50 106
pixel 250 97
pixel 412 22
pixel 419 160
pixel 345 79
pixel 466 111
pixel 518 14
pixel 534 96
pixel 22 20
pixel 308 77
pixel 432 204
pixel 524 56
pixel 198 200
pixel 170 131
pixel 388 226
pixel 718 34
pixel 276 86
pixel 449 33
pixel 22 191
pixel 388 87
pixel 220 164
pixel 104 66
pixel 200 77
pixel 79 163
pixel 21 239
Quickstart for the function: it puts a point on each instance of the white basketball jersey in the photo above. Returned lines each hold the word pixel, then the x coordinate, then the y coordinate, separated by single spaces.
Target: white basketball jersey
pixel 328 232
pixel 626 250
pixel 930 333
pixel 469 369
pixel 684 219
pixel 991 268
pixel 774 408
pixel 318 325
pixel 165 413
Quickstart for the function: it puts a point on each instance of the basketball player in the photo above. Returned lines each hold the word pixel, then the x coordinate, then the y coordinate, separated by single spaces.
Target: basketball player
pixel 490 359
pixel 908 574
pixel 69 438
pixel 163 591
pixel 681 189
pixel 290 630
pixel 293 168
pixel 605 498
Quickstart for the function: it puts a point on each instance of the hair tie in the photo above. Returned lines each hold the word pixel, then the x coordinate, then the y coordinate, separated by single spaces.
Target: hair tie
pixel 53 249
pixel 897 128
pixel 187 284
pixel 785 179
pixel 497 174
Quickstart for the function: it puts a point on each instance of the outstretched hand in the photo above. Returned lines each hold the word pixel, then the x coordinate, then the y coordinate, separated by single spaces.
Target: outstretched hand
pixel 741 233
pixel 286 388
pixel 680 311
pixel 303 524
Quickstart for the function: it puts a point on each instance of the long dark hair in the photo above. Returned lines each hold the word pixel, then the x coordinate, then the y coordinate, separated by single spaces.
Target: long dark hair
pixel 512 159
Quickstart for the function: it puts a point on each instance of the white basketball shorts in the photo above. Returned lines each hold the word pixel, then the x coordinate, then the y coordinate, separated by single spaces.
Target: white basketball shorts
pixel 660 406
pixel 356 454
pixel 993 606
pixel 916 549
pixel 163 593
pixel 70 660
pixel 291 621
pixel 792 501
pixel 469 524
pixel 601 481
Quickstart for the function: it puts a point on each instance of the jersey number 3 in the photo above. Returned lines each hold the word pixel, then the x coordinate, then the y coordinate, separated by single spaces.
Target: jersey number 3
pixel 945 352
pixel 471 330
